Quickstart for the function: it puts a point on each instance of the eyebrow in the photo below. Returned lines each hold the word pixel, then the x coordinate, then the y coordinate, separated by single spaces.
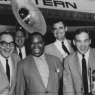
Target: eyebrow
pixel 6 42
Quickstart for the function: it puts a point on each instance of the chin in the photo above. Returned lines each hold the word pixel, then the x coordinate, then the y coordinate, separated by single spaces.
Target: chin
pixel 37 55
pixel 82 52
pixel 8 55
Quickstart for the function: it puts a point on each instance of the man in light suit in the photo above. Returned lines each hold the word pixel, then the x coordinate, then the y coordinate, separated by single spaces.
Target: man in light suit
pixel 21 43
pixel 39 73
pixel 74 71
pixel 59 29
pixel 7 71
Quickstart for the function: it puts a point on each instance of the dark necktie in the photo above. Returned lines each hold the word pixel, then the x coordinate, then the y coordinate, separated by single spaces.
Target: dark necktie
pixel 7 70
pixel 64 48
pixel 84 74
pixel 20 53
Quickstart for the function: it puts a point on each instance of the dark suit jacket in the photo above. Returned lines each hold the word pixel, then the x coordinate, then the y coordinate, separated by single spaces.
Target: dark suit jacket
pixel 72 76
pixel 30 82
pixel 53 50
pixel 5 88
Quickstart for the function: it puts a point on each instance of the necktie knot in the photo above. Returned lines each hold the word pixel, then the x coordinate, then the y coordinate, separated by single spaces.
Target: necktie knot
pixel 20 53
pixel 6 60
pixel 65 48
pixel 62 42
pixel 19 50
pixel 83 55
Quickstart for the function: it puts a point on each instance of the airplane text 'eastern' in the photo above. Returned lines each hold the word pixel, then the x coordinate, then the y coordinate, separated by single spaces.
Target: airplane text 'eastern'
pixel 55 3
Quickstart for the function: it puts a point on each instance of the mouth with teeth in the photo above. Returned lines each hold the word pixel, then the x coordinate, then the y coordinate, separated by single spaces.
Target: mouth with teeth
pixel 36 50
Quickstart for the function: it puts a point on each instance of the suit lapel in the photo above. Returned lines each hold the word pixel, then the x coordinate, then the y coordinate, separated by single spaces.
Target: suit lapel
pixel 91 61
pixel 70 47
pixel 76 60
pixel 57 52
pixel 35 69
pixel 2 70
pixel 13 70
pixel 51 72
pixel 15 51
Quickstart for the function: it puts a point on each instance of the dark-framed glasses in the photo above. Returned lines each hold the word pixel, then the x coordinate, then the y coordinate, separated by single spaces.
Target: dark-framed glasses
pixel 4 43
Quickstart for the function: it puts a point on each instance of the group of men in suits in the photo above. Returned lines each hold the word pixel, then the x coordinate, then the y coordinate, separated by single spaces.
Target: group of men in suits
pixel 43 69
pixel 79 61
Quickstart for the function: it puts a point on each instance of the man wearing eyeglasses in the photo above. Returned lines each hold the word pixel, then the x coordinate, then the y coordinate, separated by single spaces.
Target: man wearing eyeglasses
pixel 8 64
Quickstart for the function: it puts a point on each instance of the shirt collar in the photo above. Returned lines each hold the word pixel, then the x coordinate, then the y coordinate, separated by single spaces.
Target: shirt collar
pixel 86 54
pixel 3 58
pixel 21 48
pixel 42 56
pixel 58 41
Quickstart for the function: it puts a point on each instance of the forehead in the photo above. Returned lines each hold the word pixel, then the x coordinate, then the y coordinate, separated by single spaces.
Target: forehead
pixel 59 24
pixel 37 38
pixel 6 38
pixel 19 33
pixel 82 36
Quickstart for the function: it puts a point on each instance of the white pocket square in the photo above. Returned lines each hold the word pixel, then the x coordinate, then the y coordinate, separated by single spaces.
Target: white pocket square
pixel 57 70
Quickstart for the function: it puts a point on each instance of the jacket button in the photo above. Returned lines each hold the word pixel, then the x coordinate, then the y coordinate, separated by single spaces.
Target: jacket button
pixel 82 89
pixel 46 91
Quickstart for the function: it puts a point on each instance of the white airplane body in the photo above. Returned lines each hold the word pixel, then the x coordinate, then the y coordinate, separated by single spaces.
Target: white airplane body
pixel 69 5
pixel 79 10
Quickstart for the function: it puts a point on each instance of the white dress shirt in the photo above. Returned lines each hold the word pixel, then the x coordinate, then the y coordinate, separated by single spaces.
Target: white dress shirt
pixel 23 51
pixel 3 62
pixel 80 61
pixel 42 68
pixel 58 44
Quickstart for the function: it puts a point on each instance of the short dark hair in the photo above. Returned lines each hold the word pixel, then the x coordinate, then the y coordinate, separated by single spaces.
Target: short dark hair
pixel 7 33
pixel 22 30
pixel 31 35
pixel 56 21
pixel 81 30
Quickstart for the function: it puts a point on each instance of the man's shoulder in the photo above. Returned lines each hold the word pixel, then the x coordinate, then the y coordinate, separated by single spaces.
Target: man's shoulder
pixel 25 60
pixel 49 45
pixel 92 51
pixel 69 41
pixel 49 48
pixel 15 55
pixel 52 57
pixel 71 56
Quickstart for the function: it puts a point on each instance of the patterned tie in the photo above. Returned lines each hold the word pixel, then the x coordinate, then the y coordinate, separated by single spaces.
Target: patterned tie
pixel 20 53
pixel 84 74
pixel 64 48
pixel 7 70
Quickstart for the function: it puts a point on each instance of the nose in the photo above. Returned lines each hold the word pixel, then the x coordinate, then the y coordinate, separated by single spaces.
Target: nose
pixel 36 45
pixel 8 46
pixel 57 31
pixel 82 44
pixel 20 37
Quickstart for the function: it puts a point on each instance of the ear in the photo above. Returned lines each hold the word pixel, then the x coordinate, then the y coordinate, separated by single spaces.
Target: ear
pixel 66 28
pixel 90 42
pixel 74 42
pixel 52 31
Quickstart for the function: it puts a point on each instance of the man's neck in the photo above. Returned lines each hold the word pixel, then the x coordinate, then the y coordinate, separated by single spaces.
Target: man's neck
pixel 20 47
